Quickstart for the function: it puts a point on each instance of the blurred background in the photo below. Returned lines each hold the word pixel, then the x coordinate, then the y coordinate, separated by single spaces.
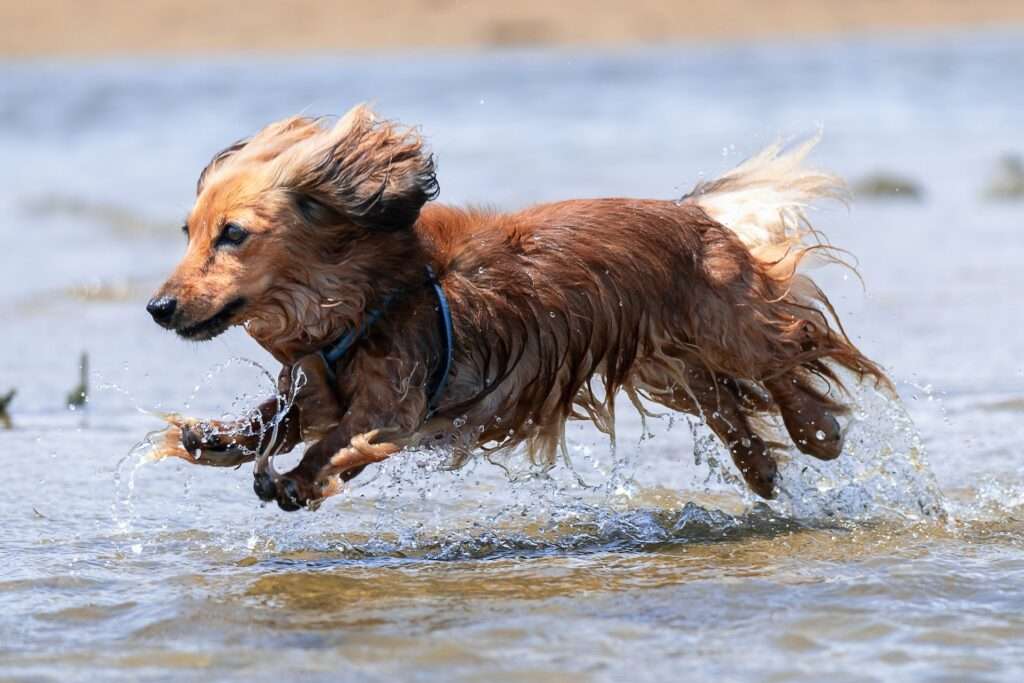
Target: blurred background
pixel 901 560
pixel 110 27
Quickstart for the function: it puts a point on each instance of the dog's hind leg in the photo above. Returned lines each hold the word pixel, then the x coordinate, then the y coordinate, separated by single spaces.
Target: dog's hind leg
pixel 723 404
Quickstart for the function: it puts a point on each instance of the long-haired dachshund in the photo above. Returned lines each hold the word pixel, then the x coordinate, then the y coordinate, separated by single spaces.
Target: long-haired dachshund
pixel 405 323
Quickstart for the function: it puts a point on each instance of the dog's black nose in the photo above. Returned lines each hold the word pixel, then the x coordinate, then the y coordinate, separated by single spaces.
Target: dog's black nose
pixel 162 308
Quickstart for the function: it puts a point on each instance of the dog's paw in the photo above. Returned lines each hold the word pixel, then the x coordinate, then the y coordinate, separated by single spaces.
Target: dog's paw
pixel 755 462
pixel 199 443
pixel 760 477
pixel 264 486
pixel 290 493
pixel 822 438
pixel 211 447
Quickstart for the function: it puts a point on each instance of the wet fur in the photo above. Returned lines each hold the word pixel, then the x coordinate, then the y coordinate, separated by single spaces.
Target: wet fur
pixel 697 304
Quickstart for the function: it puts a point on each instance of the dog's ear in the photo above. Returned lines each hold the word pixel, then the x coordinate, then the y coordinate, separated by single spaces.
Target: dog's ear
pixel 374 173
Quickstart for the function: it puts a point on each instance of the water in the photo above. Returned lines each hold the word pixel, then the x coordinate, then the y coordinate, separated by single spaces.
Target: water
pixel 902 560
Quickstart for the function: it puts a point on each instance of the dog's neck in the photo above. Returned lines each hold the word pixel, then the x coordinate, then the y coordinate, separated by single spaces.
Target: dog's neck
pixel 324 298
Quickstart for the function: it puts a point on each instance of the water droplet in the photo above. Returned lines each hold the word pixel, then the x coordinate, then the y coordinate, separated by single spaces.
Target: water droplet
pixel 819 435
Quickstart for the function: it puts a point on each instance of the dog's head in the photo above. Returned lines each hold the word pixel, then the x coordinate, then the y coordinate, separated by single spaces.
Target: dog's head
pixel 293 221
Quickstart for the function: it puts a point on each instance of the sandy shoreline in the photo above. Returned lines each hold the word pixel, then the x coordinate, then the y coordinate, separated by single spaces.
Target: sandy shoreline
pixel 111 27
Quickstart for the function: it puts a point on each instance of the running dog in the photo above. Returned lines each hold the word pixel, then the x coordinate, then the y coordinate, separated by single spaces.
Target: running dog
pixel 405 323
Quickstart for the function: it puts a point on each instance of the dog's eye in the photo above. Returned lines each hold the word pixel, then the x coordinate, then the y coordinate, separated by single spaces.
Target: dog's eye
pixel 232 234
pixel 184 229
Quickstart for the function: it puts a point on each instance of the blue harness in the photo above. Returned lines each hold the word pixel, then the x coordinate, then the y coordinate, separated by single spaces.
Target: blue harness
pixel 335 351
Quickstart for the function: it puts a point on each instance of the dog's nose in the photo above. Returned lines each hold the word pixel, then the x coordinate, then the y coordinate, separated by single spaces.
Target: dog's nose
pixel 162 308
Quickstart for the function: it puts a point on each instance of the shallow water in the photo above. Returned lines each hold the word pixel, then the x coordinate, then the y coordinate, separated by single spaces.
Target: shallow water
pixel 902 560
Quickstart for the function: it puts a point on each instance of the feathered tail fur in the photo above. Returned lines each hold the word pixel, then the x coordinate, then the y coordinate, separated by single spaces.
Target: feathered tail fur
pixel 764 202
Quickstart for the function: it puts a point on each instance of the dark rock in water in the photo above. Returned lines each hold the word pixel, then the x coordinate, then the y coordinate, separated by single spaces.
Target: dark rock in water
pixel 1008 181
pixel 79 396
pixel 887 185
pixel 5 402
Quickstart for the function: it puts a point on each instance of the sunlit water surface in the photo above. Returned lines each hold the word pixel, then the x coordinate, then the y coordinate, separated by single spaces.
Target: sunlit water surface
pixel 903 560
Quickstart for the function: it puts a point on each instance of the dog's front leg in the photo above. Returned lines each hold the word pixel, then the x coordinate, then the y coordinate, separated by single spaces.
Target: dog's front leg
pixel 362 423
pixel 229 444
pixel 272 428
pixel 325 466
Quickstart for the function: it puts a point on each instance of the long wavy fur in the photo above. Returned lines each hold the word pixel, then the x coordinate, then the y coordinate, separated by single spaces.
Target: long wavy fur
pixel 699 304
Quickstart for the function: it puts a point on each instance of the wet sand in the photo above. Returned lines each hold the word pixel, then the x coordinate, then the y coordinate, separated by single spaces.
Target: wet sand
pixel 109 27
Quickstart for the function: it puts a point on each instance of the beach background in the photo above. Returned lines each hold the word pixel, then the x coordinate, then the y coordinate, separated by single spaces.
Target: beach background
pixel 645 560
pixel 111 27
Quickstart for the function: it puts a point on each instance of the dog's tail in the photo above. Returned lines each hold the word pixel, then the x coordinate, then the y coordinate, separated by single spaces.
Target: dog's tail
pixel 764 201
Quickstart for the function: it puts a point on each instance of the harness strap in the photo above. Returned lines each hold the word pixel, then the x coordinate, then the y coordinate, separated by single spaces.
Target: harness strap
pixel 335 351
pixel 440 379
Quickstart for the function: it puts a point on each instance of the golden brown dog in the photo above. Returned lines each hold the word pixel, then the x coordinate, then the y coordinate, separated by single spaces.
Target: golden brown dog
pixel 308 233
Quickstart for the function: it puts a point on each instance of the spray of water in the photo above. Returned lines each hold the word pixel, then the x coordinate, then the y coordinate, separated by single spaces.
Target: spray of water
pixel 416 505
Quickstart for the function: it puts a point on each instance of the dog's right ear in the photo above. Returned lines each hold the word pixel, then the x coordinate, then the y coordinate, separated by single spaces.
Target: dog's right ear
pixel 374 173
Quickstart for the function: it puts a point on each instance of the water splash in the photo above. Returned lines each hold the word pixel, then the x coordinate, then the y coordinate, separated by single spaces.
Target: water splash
pixel 416 505
pixel 883 470
pixel 122 508
pixel 153 446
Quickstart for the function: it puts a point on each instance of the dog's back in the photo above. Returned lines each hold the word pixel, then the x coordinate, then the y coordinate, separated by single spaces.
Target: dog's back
pixel 696 304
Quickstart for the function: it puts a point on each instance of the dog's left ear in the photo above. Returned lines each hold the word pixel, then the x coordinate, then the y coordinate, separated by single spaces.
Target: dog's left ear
pixel 375 173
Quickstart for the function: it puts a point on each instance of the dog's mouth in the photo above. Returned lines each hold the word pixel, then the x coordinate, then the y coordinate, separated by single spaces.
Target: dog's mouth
pixel 215 324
